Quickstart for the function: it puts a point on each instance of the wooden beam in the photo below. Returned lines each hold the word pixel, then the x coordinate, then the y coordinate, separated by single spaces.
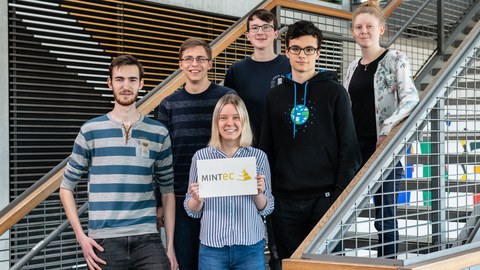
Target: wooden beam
pixel 301 264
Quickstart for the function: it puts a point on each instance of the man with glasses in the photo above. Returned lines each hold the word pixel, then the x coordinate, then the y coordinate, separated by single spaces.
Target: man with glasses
pixel 309 137
pixel 187 113
pixel 253 76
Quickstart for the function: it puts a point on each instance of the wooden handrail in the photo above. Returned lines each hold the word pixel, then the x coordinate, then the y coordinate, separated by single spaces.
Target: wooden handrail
pixel 30 198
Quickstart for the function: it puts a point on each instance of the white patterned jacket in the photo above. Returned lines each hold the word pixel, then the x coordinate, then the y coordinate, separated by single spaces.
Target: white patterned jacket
pixel 395 92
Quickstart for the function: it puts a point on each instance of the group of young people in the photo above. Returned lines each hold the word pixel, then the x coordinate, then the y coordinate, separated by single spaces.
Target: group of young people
pixel 308 134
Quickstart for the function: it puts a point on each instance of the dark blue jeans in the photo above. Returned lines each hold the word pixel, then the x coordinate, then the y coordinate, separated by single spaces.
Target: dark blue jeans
pixel 138 252
pixel 385 213
pixel 236 257
pixel 187 237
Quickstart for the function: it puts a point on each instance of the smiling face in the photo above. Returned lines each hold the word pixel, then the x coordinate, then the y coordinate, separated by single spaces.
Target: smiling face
pixel 230 125
pixel 125 84
pixel 367 30
pixel 261 40
pixel 303 63
pixel 196 72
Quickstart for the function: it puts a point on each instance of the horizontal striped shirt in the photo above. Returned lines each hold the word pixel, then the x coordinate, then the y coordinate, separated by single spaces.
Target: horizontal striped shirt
pixel 120 171
pixel 231 220
pixel 188 118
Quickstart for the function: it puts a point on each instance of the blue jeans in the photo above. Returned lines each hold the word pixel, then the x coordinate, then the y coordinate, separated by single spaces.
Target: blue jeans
pixel 385 213
pixel 187 237
pixel 139 252
pixel 236 257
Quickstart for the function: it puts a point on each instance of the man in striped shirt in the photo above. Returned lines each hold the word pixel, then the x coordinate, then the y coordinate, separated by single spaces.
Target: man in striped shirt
pixel 121 152
pixel 187 113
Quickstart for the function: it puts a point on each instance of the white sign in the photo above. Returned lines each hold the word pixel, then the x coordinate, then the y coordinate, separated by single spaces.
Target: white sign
pixel 227 177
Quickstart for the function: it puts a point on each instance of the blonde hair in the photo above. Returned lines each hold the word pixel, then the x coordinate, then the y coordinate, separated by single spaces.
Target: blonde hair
pixel 370 7
pixel 246 137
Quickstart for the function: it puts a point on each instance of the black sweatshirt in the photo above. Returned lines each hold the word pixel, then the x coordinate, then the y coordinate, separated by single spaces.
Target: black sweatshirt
pixel 313 149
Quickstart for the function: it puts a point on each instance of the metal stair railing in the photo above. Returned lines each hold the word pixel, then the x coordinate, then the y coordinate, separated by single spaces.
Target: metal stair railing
pixel 446 117
pixel 444 41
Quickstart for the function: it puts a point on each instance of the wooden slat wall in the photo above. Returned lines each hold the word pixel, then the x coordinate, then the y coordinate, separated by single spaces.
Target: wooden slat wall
pixel 59 56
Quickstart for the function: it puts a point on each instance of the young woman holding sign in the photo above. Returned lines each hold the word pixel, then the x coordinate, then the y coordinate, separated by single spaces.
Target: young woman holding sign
pixel 232 232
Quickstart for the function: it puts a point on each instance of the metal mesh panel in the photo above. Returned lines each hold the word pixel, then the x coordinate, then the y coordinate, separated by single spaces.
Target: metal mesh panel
pixel 436 204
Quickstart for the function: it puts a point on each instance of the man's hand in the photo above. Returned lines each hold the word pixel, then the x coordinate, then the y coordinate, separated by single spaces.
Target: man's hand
pixel 87 244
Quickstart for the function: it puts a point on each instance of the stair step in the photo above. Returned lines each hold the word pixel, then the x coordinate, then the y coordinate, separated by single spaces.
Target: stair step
pixel 423 86
pixel 449 159
pixel 435 71
pixel 420 247
pixel 462 101
pixel 446 57
pixel 457 43
pixel 461 186
pixel 420 212
pixel 467 30
pixel 464 135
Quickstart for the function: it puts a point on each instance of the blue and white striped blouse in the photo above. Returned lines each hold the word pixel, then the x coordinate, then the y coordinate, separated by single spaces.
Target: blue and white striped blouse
pixel 231 220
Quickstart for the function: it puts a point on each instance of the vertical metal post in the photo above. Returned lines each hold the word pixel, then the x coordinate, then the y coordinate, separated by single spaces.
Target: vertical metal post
pixel 438 180
pixel 440 27
pixel 277 46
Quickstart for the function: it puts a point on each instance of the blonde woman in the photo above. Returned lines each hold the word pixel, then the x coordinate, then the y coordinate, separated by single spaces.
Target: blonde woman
pixel 231 228
pixel 382 92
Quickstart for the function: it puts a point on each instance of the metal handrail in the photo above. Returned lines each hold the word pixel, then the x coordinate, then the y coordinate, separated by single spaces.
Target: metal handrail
pixel 384 153
pixel 45 242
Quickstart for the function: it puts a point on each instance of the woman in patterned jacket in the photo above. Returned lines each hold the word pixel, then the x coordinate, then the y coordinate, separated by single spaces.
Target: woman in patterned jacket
pixel 382 92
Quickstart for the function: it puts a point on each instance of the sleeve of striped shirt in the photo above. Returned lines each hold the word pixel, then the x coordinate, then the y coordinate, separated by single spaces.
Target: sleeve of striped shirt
pixel 263 168
pixel 192 179
pixel 77 164
pixel 163 169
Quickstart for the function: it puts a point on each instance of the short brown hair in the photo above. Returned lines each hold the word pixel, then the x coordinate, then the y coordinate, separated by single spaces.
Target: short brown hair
pixel 125 60
pixel 194 42
pixel 263 15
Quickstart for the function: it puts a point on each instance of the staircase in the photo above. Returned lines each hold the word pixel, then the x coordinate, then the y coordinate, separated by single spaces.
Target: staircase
pixel 460 18
pixel 417 39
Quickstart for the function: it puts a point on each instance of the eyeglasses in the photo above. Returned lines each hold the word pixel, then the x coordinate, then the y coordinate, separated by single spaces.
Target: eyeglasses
pixel 200 59
pixel 265 28
pixel 307 50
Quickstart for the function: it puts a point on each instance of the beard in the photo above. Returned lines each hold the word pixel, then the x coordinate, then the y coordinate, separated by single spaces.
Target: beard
pixel 125 100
